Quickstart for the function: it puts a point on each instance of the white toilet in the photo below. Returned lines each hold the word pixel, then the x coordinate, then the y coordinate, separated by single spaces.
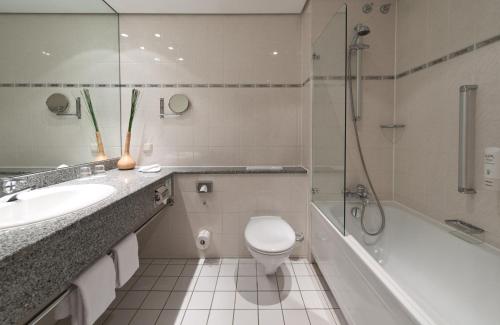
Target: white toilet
pixel 270 240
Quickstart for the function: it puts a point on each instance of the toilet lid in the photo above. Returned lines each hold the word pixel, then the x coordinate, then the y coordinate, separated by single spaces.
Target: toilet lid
pixel 269 234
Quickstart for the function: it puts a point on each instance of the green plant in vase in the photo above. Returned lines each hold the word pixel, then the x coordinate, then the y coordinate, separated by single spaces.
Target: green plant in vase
pixel 101 155
pixel 126 161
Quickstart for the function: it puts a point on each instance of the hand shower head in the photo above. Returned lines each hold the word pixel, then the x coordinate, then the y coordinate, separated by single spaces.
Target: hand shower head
pixel 359 31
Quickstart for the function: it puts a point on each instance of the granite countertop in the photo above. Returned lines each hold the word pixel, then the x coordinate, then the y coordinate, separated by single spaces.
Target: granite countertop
pixel 38 261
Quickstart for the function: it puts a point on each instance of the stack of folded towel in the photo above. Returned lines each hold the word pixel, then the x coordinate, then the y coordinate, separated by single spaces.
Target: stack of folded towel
pixel 95 287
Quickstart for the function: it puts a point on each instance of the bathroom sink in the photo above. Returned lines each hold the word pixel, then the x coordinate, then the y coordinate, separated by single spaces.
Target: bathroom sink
pixel 50 202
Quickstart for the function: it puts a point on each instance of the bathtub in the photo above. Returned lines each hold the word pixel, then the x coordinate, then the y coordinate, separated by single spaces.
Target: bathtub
pixel 416 272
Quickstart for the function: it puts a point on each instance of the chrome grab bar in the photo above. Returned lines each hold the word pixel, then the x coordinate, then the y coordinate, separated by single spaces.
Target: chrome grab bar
pixel 466 139
pixel 464 227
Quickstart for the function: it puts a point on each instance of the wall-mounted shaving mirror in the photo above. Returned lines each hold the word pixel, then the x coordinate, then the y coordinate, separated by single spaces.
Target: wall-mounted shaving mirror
pixel 178 103
pixel 51 51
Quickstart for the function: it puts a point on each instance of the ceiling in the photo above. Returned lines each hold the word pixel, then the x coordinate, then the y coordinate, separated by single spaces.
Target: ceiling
pixel 207 6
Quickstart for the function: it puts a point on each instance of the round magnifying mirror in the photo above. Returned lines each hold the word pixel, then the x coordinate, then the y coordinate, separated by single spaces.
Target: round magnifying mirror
pixel 178 103
pixel 57 103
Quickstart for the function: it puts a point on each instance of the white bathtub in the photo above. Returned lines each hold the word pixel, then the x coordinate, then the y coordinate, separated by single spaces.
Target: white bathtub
pixel 416 272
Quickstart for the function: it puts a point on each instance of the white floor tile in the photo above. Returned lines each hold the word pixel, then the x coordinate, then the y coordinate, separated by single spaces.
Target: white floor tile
pixel 191 270
pixel 285 270
pixel 213 261
pixel 145 283
pixel 185 283
pixel 247 270
pixel 132 300
pixel 247 283
pixel 267 283
pixel 229 260
pixel 201 300
pixel 296 317
pixel 165 283
pixel 224 300
pixel 298 260
pixel 226 283
pixel 198 261
pixel 170 317
pixel 248 260
pixel 145 317
pixel 173 270
pixel 120 317
pixel 155 300
pixel 210 270
pixel 301 270
pixel 314 299
pixel 287 283
pixel 145 260
pixel 195 317
pixel 269 300
pixel 309 283
pixel 321 317
pixel 154 270
pixel 270 317
pixel 246 317
pixel 246 300
pixel 206 284
pixel 291 300
pixel 178 300
pixel 228 270
pixel 220 317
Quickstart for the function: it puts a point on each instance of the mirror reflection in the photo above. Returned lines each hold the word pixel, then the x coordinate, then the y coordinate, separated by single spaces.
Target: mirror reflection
pixel 51 53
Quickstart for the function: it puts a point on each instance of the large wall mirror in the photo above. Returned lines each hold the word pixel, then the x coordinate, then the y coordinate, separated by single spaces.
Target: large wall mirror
pixel 57 47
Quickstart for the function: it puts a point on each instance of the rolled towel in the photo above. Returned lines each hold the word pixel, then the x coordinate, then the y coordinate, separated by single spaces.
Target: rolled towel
pixel 155 168
pixel 126 257
pixel 95 291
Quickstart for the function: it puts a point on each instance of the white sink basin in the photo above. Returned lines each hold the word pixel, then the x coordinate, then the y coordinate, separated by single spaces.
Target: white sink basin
pixel 50 202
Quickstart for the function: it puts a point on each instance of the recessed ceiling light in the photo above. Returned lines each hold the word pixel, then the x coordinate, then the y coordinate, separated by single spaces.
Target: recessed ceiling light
pixel 180 59
pixel 157 35
pixel 275 53
pixel 157 59
pixel 170 48
pixel 142 47
pixel 45 53
pixel 124 35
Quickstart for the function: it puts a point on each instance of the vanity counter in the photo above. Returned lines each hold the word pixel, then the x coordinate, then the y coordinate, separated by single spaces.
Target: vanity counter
pixel 39 261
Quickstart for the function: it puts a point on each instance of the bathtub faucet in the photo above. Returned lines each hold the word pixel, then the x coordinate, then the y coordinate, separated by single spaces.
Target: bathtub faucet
pixel 359 191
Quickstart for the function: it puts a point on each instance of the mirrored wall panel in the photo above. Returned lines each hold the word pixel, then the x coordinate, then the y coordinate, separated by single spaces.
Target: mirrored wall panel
pixel 49 60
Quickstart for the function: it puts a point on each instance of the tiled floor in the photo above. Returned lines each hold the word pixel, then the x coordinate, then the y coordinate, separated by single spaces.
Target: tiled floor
pixel 225 291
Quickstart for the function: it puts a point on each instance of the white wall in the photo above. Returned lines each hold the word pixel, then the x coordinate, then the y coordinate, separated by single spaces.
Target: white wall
pixel 246 125
pixel 225 212
pixel 426 163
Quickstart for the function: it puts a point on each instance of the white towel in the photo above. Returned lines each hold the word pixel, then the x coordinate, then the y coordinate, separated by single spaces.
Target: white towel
pixel 94 293
pixel 126 256
pixel 150 169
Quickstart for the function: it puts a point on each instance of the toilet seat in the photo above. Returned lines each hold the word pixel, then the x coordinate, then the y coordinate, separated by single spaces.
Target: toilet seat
pixel 269 235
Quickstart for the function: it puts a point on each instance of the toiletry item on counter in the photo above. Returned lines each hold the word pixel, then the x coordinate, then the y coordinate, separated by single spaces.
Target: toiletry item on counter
pixel 203 239
pixel 93 293
pixel 155 168
pixel 126 258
